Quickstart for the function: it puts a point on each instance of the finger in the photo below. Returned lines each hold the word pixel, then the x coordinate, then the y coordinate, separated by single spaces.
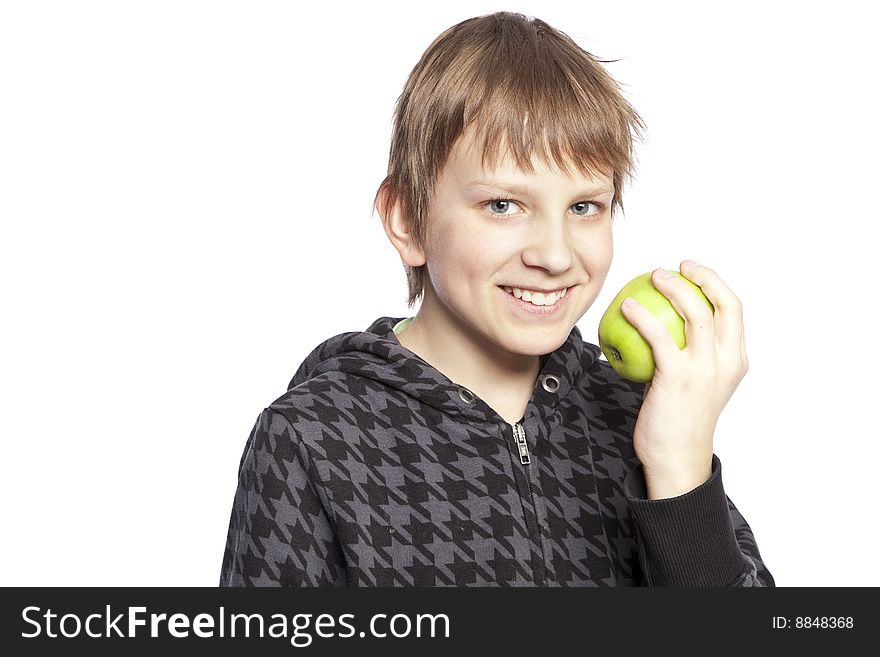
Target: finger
pixel 699 324
pixel 662 345
pixel 728 308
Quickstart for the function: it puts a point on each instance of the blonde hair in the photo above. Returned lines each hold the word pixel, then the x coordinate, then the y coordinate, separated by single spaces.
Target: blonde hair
pixel 519 83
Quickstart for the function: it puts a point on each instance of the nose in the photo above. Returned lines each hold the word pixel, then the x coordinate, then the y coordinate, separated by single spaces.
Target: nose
pixel 549 247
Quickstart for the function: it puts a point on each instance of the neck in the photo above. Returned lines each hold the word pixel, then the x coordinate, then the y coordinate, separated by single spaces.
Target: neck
pixel 502 379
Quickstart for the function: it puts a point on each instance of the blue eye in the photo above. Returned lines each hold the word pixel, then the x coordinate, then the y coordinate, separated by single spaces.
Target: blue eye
pixel 499 206
pixel 586 204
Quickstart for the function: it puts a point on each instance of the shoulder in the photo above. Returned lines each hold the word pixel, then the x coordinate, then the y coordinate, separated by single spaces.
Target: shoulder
pixel 327 388
pixel 332 406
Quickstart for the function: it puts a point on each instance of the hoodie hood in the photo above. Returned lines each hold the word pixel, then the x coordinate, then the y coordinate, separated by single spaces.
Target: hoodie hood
pixel 377 355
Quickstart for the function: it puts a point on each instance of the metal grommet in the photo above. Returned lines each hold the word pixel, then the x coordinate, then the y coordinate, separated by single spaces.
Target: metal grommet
pixel 466 395
pixel 550 383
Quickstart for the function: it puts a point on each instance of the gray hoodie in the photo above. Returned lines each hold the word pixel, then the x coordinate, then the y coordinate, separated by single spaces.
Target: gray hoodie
pixel 375 469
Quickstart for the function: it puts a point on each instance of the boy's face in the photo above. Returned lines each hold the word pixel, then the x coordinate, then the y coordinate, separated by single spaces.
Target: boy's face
pixel 553 233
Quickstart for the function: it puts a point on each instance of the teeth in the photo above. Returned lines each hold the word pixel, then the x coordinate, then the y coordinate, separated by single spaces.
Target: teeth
pixel 536 298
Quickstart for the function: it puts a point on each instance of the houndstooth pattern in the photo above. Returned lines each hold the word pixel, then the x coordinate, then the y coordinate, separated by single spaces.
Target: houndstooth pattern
pixel 374 470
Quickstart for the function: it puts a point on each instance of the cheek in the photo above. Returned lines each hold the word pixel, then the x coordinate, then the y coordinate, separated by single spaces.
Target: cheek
pixel 462 259
pixel 442 265
pixel 600 268
pixel 597 257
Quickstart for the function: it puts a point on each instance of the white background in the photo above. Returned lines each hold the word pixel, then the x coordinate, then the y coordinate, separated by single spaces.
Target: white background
pixel 185 195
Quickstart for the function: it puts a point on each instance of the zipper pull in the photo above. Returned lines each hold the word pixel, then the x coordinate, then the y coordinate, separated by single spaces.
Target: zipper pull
pixel 519 435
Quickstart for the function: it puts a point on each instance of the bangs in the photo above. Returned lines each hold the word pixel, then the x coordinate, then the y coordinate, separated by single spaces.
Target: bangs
pixel 563 140
pixel 552 108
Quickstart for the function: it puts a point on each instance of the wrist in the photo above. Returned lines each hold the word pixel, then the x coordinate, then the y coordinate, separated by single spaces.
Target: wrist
pixel 665 483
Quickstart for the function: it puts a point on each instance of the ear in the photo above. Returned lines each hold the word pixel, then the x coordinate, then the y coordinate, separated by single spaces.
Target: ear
pixel 398 228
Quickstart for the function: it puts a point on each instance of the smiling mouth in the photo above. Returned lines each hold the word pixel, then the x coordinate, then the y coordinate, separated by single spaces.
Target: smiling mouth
pixel 536 298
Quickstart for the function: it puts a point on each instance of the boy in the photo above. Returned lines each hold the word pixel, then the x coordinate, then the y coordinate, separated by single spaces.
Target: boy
pixel 482 442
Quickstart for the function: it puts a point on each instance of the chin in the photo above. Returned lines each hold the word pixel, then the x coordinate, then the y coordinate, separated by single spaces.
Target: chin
pixel 536 347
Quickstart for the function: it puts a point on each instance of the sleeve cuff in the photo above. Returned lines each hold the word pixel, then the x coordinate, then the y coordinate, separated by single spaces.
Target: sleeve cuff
pixel 686 540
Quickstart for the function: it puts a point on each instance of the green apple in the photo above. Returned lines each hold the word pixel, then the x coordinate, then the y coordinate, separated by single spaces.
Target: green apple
pixel 626 350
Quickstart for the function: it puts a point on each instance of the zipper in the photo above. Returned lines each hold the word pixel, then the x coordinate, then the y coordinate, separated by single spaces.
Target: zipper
pixel 519 435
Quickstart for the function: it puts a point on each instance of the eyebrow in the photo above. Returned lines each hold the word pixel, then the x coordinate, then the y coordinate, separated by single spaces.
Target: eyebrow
pixel 526 190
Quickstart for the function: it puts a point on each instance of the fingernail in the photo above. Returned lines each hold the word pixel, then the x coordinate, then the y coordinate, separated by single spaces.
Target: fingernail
pixel 629 302
pixel 662 273
pixel 690 263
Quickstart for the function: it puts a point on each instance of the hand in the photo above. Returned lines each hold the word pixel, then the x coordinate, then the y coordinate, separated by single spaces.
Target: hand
pixel 676 424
